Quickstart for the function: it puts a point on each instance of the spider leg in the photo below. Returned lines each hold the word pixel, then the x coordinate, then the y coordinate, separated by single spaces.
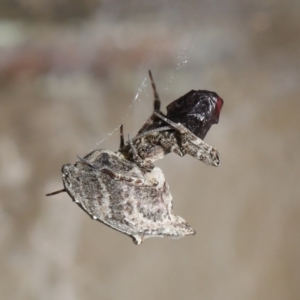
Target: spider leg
pixel 151 122
pixel 122 144
pixel 179 127
pixel 204 153
pixel 120 177
pixel 193 145
pixel 156 96
pixel 145 182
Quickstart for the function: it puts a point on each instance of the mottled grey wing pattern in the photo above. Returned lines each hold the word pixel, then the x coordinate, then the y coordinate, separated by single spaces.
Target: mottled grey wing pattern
pixel 137 211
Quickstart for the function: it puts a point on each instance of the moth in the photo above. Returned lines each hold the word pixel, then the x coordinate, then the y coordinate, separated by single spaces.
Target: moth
pixel 138 204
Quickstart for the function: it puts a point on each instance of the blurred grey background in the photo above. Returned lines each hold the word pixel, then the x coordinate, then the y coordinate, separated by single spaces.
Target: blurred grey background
pixel 72 71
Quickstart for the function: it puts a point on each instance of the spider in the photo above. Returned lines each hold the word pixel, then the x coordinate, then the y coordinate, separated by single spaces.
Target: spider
pixel 194 113
pixel 181 131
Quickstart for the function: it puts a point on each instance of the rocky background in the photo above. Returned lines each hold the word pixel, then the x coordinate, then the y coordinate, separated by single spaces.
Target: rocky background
pixel 72 70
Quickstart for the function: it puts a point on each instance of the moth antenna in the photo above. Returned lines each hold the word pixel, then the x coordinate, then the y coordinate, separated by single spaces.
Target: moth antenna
pixel 56 192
